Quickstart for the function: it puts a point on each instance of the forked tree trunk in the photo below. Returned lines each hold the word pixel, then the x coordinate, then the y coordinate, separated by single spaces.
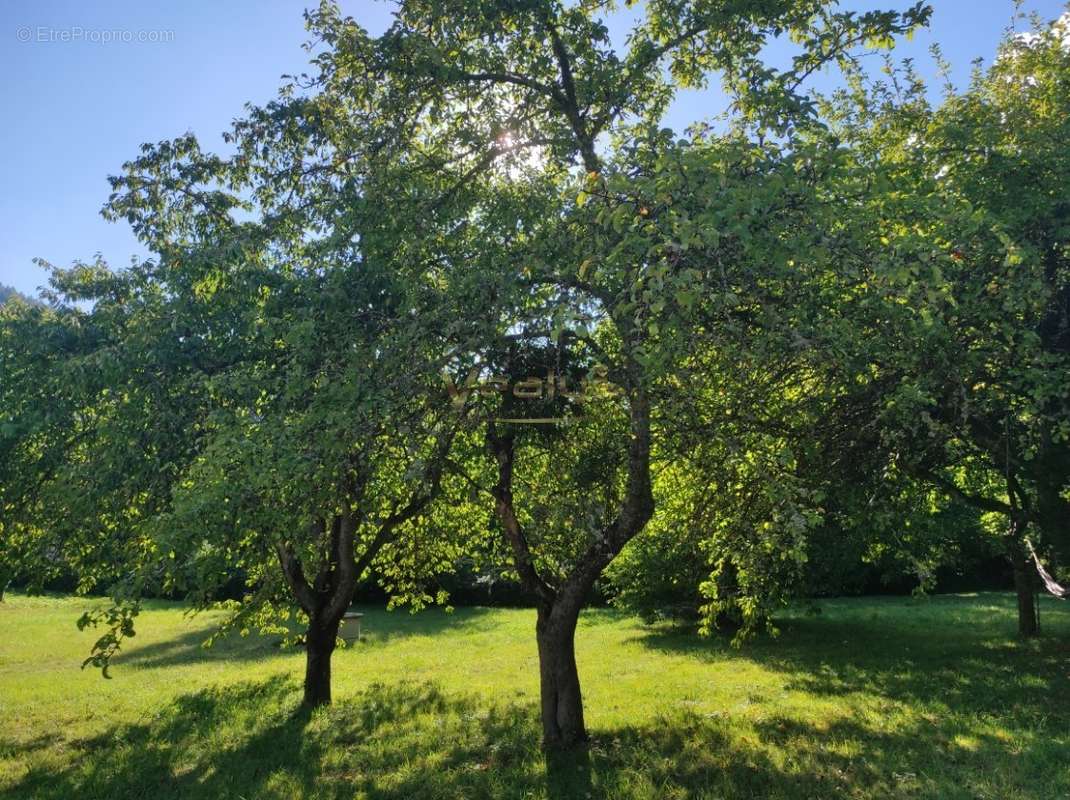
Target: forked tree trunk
pixel 1025 588
pixel 559 680
pixel 325 601
pixel 327 598
pixel 320 641
pixel 559 607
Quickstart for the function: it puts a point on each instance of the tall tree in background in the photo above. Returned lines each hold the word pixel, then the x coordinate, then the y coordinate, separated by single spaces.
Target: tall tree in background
pixel 960 316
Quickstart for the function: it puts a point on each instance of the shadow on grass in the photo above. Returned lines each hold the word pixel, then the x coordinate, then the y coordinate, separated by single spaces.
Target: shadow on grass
pixel 957 653
pixel 188 648
pixel 932 698
pixel 908 708
pixel 14 748
pixel 412 740
pixel 403 741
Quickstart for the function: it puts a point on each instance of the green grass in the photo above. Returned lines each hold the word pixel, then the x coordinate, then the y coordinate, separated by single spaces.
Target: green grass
pixel 873 698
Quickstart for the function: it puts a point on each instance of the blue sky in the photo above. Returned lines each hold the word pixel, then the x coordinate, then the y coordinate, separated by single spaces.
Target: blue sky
pixel 76 109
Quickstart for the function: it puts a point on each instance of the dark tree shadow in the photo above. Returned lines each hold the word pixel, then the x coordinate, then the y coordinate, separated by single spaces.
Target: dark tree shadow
pixel 15 748
pixel 189 648
pixel 974 707
pixel 411 741
pixel 568 775
pixel 961 655
pixel 388 743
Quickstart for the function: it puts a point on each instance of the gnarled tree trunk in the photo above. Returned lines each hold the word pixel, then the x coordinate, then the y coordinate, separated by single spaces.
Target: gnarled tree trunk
pixel 327 598
pixel 559 680
pixel 559 604
pixel 325 601
pixel 320 641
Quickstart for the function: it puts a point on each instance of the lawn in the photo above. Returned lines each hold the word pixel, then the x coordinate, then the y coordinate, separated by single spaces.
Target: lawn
pixel 885 697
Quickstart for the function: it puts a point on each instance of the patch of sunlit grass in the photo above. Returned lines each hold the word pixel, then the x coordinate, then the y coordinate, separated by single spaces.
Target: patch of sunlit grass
pixel 880 697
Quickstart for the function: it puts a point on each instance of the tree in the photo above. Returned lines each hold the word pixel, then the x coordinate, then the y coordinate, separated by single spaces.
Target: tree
pixel 960 317
pixel 918 363
pixel 479 169
pixel 8 293
pixel 257 399
pixel 507 106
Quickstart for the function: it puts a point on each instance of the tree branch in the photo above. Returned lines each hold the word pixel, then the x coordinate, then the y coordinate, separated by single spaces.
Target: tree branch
pixel 519 80
pixel 569 104
pixel 983 503
pixel 636 511
pixel 502 450
pixel 295 578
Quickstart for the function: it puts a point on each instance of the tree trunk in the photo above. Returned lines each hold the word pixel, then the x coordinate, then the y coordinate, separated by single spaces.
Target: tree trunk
pixel 1028 626
pixel 559 607
pixel 320 641
pixel 559 680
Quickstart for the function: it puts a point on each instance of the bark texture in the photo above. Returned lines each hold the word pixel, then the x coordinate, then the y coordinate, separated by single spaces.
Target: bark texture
pixel 320 642
pixel 1025 588
pixel 559 679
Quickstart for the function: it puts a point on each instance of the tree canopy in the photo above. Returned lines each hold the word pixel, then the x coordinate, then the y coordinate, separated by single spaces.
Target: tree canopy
pixel 458 293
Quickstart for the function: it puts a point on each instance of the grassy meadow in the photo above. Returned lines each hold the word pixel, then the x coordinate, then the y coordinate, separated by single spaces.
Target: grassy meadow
pixel 870 698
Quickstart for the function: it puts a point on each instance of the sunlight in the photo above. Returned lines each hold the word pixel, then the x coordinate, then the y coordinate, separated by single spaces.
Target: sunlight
pixel 519 158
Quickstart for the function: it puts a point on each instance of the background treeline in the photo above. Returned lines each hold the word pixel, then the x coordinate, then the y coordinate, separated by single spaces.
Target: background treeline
pixel 658 576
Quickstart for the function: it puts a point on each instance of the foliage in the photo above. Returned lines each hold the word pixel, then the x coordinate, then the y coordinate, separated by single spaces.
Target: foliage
pixel 588 244
pixel 8 293
pixel 225 405
pixel 827 320
pixel 961 313
pixel 904 320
